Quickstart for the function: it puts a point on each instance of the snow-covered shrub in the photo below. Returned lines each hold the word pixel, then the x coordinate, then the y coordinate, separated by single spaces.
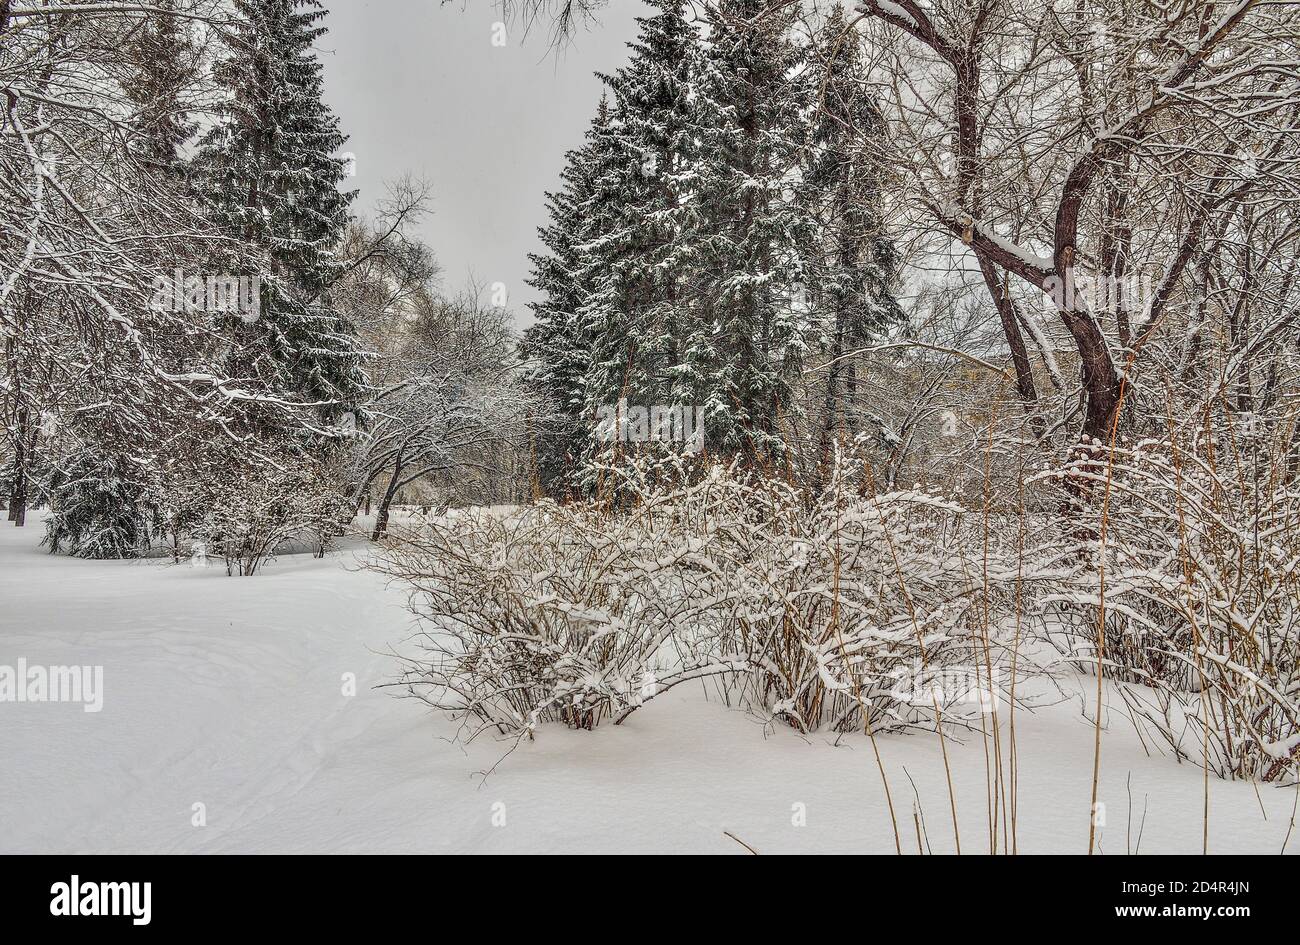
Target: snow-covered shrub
pixel 1195 576
pixel 101 506
pixel 244 515
pixel 576 613
pixel 863 610
pixel 817 612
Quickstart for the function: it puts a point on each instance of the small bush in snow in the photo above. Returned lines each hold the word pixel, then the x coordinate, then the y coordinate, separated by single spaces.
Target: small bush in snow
pixel 101 506
pixel 851 601
pixel 245 515
pixel 810 613
pixel 573 613
pixel 1195 578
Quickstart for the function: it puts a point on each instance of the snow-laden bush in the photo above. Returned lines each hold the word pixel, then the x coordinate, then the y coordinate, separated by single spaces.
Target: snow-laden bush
pixel 101 506
pixel 860 609
pixel 244 515
pixel 1194 573
pixel 827 613
pixel 575 613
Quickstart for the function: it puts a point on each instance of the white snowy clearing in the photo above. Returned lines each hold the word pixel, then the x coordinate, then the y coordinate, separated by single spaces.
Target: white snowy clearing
pixel 228 692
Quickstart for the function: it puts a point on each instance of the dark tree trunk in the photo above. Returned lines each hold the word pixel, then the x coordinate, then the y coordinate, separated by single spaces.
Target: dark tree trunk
pixel 18 486
pixel 381 519
pixel 1101 383
pixel 832 404
pixel 966 66
pixel 998 291
pixel 18 497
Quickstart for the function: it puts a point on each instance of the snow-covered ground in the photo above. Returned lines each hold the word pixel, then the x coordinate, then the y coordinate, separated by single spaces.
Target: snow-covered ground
pixel 229 693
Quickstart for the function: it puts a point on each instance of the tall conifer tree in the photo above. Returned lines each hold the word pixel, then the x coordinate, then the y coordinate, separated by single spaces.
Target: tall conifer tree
pixel 557 347
pixel 750 334
pixel 272 178
pixel 97 481
pixel 852 265
pixel 643 259
pixel 164 65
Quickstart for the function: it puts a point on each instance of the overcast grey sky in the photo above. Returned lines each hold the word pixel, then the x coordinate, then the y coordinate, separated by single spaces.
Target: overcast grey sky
pixel 421 89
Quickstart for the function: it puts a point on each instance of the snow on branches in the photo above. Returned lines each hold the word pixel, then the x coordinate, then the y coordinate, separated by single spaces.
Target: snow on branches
pixel 830 615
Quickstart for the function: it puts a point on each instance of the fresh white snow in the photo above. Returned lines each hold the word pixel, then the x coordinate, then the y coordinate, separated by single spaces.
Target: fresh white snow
pixel 228 692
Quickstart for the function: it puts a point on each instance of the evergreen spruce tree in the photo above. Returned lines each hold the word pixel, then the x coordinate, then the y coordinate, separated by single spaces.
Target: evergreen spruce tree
pixel 852 265
pixel 719 179
pixel 164 63
pixel 272 178
pixel 100 492
pixel 621 250
pixel 556 346
pixel 750 333
pixel 101 504
pixel 642 257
